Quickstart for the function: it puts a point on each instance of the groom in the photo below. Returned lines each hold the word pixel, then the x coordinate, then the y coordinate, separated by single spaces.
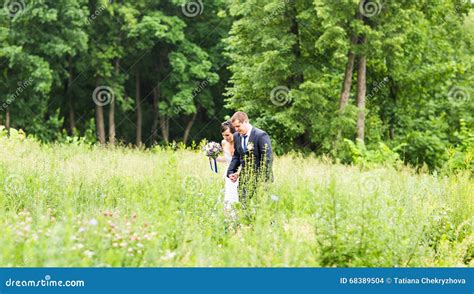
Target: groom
pixel 250 145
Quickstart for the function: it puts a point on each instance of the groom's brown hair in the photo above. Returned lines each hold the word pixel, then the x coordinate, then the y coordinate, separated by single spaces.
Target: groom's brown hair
pixel 240 116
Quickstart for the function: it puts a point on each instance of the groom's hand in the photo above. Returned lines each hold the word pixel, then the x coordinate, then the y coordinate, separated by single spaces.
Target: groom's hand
pixel 233 177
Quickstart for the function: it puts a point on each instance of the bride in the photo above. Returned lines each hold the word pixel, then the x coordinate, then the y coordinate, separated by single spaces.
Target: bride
pixel 231 194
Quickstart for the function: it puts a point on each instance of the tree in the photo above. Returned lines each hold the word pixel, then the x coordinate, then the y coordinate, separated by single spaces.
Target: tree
pixel 27 77
pixel 383 41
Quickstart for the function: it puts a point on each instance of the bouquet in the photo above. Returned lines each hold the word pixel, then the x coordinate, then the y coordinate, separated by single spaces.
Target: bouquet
pixel 212 150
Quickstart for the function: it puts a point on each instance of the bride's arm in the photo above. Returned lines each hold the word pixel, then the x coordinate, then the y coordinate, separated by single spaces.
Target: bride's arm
pixel 221 159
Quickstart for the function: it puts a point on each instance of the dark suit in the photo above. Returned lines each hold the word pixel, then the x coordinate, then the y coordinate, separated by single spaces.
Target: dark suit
pixel 262 151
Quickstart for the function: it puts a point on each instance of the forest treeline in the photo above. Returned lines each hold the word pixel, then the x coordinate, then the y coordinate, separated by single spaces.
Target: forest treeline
pixel 353 79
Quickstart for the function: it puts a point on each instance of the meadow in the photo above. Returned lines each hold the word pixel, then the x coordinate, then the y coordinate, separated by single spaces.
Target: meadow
pixel 80 205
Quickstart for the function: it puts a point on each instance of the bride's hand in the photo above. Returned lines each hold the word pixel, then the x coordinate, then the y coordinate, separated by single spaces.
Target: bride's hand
pixel 221 159
pixel 233 177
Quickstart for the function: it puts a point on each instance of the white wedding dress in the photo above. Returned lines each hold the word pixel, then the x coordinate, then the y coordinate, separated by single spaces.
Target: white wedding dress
pixel 231 193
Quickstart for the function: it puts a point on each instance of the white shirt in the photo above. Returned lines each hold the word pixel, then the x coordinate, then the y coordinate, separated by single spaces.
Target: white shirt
pixel 246 139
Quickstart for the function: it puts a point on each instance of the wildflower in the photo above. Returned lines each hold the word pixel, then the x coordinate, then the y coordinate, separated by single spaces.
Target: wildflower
pixel 89 253
pixel 107 213
pixel 275 198
pixel 93 222
pixel 168 255
pixel 78 246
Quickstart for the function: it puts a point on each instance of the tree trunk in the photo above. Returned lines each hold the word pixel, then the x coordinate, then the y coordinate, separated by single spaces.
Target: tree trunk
pixel 138 109
pixel 99 121
pixel 298 77
pixel 347 83
pixel 189 126
pixel 72 118
pixel 99 111
pixel 393 93
pixel 7 120
pixel 112 109
pixel 361 83
pixel 112 122
pixel 165 129
pixel 154 127
pixel 361 91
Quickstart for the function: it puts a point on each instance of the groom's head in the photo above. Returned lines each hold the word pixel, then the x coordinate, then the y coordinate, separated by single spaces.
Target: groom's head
pixel 240 121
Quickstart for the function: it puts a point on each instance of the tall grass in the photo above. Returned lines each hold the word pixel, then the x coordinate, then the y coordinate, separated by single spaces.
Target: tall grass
pixel 76 205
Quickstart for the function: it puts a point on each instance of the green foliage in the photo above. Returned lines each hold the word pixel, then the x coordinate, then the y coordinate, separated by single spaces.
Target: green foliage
pixel 419 81
pixel 461 155
pixel 178 75
pixel 380 155
pixel 76 46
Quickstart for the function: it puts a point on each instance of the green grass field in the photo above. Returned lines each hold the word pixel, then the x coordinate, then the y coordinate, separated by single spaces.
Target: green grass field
pixel 75 205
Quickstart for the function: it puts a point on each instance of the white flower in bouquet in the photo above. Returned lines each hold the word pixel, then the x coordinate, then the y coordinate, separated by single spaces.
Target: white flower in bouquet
pixel 212 150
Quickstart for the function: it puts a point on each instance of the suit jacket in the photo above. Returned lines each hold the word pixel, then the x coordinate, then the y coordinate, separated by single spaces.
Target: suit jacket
pixel 260 141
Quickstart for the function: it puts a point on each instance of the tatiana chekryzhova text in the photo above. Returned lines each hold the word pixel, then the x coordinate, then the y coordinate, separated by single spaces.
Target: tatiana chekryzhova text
pixel 436 281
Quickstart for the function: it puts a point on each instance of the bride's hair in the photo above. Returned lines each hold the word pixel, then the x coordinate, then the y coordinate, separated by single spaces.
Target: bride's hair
pixel 227 125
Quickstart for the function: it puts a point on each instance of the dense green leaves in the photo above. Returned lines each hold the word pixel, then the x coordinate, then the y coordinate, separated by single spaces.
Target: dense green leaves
pixel 168 71
pixel 419 72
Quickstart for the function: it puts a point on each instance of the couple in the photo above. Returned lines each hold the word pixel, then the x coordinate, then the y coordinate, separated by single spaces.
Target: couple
pixel 244 144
